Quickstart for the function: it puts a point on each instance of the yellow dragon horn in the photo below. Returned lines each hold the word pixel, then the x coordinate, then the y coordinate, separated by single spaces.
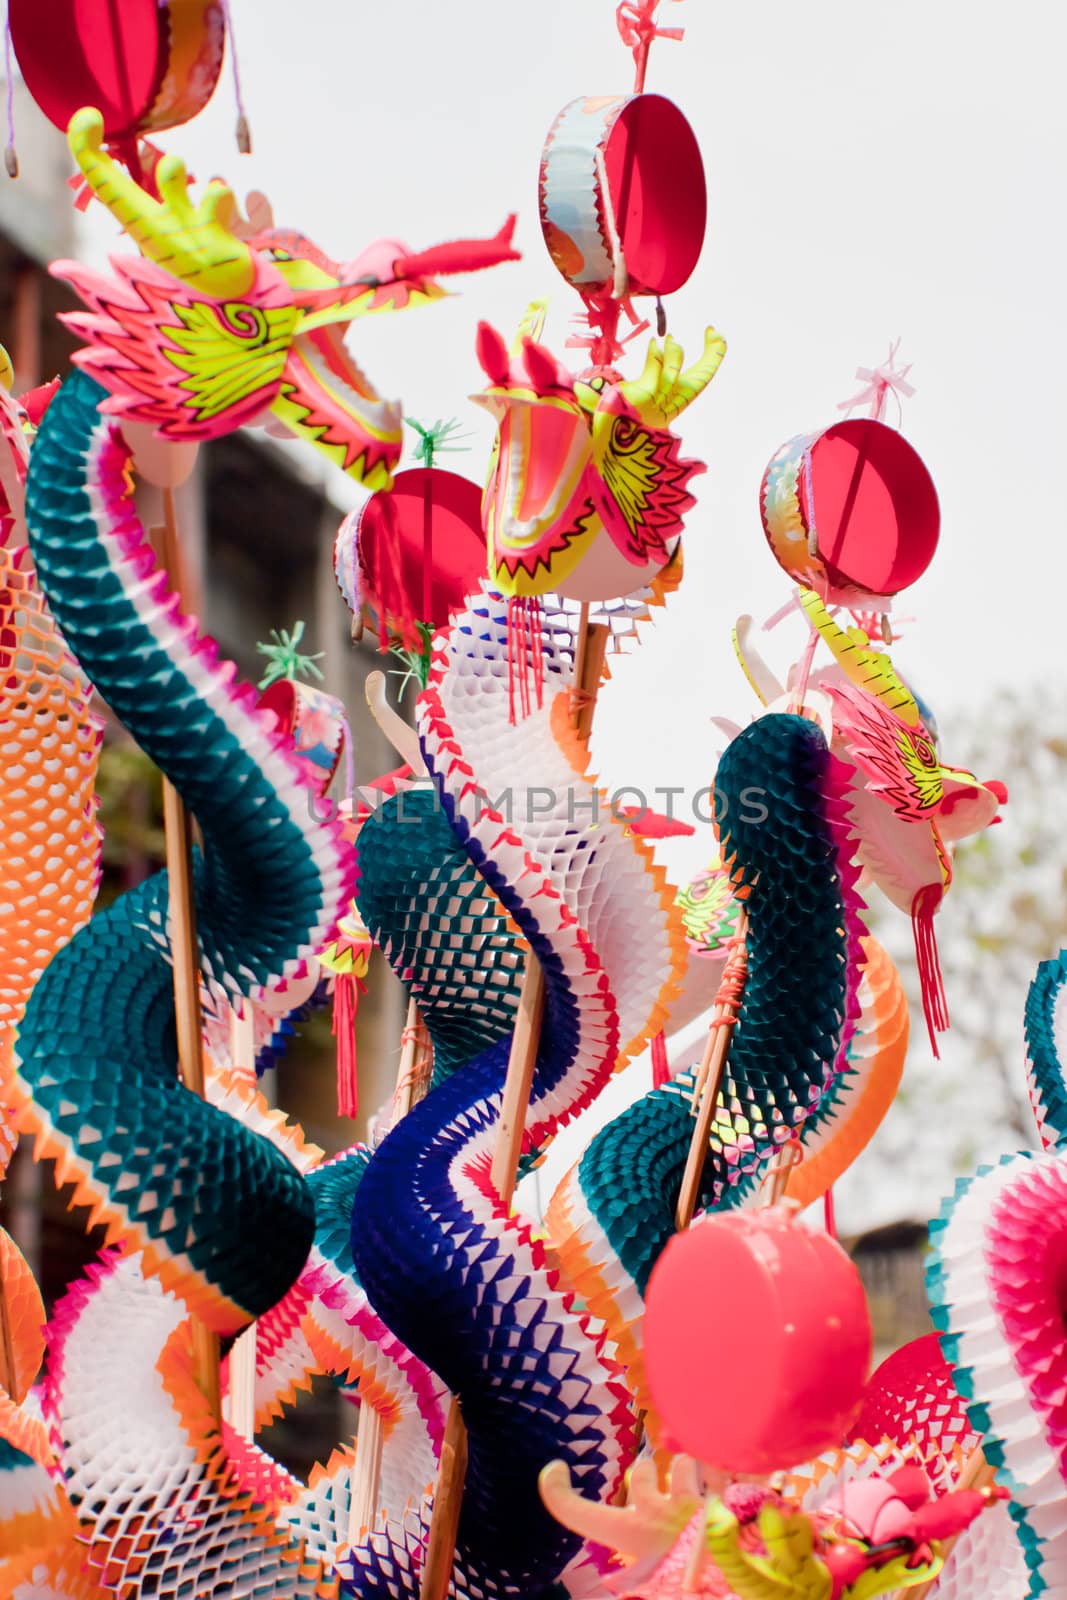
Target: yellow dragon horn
pixel 699 375
pixel 532 326
pixel 196 244
pixel 663 390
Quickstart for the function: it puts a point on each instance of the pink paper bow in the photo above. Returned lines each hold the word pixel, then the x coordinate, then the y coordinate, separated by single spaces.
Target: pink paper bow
pixel 878 383
pixel 636 22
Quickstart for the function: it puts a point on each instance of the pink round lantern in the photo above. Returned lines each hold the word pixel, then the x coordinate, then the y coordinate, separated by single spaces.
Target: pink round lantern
pixel 757 1341
pixel 851 512
pixel 623 175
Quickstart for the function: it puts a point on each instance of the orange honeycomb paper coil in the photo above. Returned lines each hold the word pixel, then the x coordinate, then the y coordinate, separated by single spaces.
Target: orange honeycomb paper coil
pixel 50 840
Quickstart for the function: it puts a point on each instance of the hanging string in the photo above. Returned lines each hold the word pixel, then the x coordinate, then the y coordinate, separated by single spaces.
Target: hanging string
pixel 11 160
pixel 244 133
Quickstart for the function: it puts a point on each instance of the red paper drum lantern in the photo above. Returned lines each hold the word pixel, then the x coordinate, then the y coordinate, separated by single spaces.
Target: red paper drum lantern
pixel 414 552
pixel 851 512
pixel 757 1341
pixel 144 64
pixel 623 172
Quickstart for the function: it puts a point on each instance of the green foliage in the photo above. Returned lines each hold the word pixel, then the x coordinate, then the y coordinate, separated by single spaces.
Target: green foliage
pixel 285 660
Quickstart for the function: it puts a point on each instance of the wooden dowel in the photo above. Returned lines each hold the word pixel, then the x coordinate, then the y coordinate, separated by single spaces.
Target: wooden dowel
pixel 448 1501
pixel 243 1384
pixel 243 1041
pixel 708 1083
pixel 519 1080
pixel 242 1393
pixel 366 1474
pixel 185 952
pixel 588 666
pixel 412 1081
pixel 184 947
pixel 416 1061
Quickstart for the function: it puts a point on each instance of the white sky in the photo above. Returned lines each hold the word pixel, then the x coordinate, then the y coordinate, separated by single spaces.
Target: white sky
pixel 874 170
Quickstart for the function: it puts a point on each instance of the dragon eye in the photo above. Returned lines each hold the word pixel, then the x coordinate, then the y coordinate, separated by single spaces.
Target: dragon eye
pixel 925 753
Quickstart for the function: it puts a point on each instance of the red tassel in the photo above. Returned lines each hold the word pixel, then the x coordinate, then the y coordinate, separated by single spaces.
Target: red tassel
pixel 935 1006
pixel 537 658
pixel 524 654
pixel 661 1068
pixel 512 603
pixel 346 992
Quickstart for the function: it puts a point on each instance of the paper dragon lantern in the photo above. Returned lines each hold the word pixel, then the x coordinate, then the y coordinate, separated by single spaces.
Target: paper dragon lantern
pixel 519 1402
pixel 587 489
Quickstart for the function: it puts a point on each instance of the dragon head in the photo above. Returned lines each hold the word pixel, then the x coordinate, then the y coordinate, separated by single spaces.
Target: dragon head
pixel 577 458
pixel 216 322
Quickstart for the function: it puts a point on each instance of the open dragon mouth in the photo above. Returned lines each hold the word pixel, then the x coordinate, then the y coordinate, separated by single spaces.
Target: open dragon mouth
pixel 326 398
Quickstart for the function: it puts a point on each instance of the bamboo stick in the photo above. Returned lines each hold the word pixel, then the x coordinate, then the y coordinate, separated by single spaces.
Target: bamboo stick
pixel 411 1084
pixel 448 1498
pixel 708 1083
pixel 447 1504
pixel 519 1080
pixel 185 952
pixel 366 1473
pixel 242 1394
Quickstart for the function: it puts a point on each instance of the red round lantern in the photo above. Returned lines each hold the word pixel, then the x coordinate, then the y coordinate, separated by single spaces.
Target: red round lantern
pixel 144 64
pixel 757 1341
pixel 851 512
pixel 414 552
pixel 316 723
pixel 623 176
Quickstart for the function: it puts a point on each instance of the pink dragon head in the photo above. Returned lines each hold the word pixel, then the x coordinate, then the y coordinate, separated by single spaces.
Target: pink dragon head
pixel 577 458
pixel 218 322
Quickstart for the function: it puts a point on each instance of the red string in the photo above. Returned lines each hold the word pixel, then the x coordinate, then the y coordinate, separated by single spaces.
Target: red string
pixel 731 990
pixel 829 1218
